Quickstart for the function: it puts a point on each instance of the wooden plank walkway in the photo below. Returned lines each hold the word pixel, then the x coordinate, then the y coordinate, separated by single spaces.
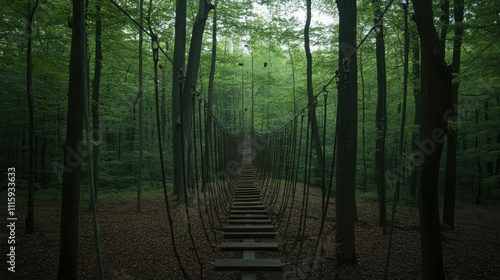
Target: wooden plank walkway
pixel 248 220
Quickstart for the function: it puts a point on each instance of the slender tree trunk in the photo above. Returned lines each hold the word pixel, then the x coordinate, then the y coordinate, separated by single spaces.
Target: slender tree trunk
pixel 30 219
pixel 479 174
pixel 450 178
pixel 402 125
pixel 96 84
pixel 435 81
pixel 381 119
pixel 164 100
pixel 208 128
pixel 445 21
pixel 312 106
pixel 418 104
pixel 141 91
pixel 187 94
pixel 361 74
pixel 489 162
pixel 347 133
pixel 177 83
pixel 68 254
pixel 43 149
pixel 498 142
pixel 293 81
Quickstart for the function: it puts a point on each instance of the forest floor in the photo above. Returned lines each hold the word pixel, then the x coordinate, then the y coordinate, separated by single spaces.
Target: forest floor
pixel 138 245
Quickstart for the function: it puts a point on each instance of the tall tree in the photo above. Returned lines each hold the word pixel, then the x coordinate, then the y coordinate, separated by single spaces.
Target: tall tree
pixel 70 206
pixel 347 133
pixel 208 128
pixel 141 91
pixel 30 219
pixel 178 68
pixel 417 97
pixel 204 7
pixel 312 106
pixel 381 116
pixel 96 88
pixel 450 177
pixel 435 85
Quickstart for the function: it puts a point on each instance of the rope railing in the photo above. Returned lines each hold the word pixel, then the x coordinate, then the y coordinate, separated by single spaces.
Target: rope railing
pixel 282 158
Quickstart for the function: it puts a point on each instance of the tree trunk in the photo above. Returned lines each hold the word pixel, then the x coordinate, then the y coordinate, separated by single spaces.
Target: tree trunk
pixel 179 60
pixel 402 125
pixel 293 81
pixel 141 91
pixel 96 84
pixel 208 121
pixel 381 117
pixel 30 219
pixel 347 133
pixel 312 106
pixel 435 82
pixel 479 174
pixel 450 177
pixel 164 100
pixel 190 85
pixel 68 254
pixel 418 104
pixel 498 142
pixel 445 21
pixel 489 161
pixel 361 74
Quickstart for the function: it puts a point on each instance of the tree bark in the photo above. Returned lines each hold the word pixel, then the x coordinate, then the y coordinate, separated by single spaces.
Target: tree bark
pixel 312 106
pixel 479 174
pixel 96 84
pixel 450 177
pixel 381 117
pixel 435 82
pixel 418 104
pixel 208 122
pixel 141 91
pixel 445 21
pixel 179 60
pixel 361 74
pixel 30 219
pixel 68 254
pixel 190 85
pixel 347 133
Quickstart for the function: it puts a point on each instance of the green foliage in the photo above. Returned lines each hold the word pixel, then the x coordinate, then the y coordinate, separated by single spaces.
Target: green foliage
pixel 274 37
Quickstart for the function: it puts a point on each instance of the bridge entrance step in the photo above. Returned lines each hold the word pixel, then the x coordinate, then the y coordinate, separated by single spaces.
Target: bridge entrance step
pixel 249 228
pixel 241 246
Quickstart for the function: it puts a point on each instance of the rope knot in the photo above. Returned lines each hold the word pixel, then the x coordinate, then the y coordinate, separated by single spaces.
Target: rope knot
pixel 345 63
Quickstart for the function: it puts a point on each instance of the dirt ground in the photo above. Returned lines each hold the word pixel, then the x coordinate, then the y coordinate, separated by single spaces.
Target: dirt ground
pixel 138 245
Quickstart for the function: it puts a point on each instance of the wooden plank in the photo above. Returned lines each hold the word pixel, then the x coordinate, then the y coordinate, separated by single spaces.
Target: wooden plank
pixel 241 235
pixel 248 265
pixel 240 212
pixel 249 228
pixel 248 221
pixel 246 191
pixel 246 196
pixel 248 207
pixel 255 199
pixel 240 246
pixel 244 202
pixel 255 217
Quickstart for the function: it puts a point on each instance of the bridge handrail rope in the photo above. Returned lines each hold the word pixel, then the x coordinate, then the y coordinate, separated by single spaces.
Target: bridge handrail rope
pixel 162 167
pixel 205 233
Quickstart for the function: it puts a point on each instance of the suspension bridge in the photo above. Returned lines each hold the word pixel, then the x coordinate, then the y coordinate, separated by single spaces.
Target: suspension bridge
pixel 256 199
